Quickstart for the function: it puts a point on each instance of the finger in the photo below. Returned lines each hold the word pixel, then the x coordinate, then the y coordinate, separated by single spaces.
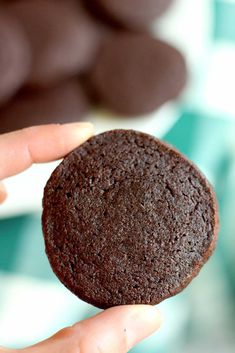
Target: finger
pixel 115 330
pixel 6 350
pixel 20 149
pixel 3 196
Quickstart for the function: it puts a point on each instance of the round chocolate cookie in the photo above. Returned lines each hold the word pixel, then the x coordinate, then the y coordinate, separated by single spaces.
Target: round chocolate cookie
pixel 15 56
pixel 127 220
pixel 135 74
pixel 129 14
pixel 64 41
pixel 62 104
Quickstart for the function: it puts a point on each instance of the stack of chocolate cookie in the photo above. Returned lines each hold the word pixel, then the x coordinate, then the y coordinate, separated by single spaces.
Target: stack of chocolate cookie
pixel 60 58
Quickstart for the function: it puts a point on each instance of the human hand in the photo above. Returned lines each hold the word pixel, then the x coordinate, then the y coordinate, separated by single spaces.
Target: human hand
pixel 115 330
pixel 20 149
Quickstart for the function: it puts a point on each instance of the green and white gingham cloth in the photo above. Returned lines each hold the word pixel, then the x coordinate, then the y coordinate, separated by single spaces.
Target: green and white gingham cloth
pixel 34 305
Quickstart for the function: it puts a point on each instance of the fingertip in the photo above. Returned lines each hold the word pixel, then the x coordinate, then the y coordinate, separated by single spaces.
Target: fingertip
pixel 150 312
pixel 81 131
pixel 122 327
pixel 143 322
pixel 40 144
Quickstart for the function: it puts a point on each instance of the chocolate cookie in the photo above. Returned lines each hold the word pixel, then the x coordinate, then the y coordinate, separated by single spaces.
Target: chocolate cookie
pixel 135 74
pixel 62 104
pixel 15 56
pixel 127 220
pixel 64 41
pixel 129 14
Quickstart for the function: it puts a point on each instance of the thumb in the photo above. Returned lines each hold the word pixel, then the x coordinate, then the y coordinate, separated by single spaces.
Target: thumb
pixel 115 330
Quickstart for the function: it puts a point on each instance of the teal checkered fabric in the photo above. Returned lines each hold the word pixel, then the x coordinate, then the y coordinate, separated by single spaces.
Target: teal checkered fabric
pixel 202 317
pixel 224 29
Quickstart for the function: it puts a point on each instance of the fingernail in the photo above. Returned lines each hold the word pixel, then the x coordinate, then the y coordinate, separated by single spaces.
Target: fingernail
pixel 143 322
pixel 3 193
pixel 81 131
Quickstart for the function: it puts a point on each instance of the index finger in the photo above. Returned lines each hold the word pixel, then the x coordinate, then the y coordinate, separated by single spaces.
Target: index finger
pixel 20 149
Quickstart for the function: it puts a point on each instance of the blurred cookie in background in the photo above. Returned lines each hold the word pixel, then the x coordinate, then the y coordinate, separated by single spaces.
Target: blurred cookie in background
pixel 62 104
pixel 63 41
pixel 15 56
pixel 135 74
pixel 126 71
pixel 128 13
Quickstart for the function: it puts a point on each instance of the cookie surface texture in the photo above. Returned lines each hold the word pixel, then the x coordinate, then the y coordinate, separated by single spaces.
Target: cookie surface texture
pixel 127 220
